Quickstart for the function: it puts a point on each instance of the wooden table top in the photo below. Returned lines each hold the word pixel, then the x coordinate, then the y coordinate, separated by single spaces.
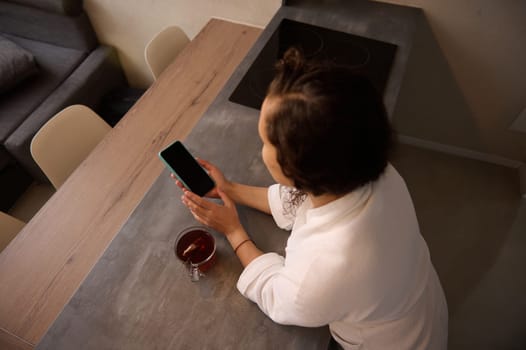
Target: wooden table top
pixel 45 264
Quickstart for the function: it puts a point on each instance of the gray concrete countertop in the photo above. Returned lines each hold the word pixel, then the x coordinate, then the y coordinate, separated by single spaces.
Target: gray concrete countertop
pixel 138 296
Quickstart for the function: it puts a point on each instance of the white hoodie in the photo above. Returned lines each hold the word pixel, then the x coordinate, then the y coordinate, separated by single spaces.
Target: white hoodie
pixel 358 264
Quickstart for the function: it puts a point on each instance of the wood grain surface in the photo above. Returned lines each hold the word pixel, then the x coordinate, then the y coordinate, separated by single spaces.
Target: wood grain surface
pixel 44 265
pixel 12 342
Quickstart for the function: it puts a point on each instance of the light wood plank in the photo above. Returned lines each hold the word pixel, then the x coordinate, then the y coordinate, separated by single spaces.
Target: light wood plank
pixel 44 265
pixel 10 341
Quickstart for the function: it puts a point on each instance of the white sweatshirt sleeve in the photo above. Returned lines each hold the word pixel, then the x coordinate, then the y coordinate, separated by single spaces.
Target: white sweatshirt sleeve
pixel 280 292
pixel 264 282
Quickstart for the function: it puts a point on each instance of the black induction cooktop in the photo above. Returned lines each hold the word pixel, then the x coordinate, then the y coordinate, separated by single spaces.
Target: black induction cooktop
pixel 368 57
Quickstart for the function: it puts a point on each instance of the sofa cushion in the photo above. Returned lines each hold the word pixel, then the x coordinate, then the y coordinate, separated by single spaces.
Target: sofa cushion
pixel 66 7
pixel 32 23
pixel 98 74
pixel 16 64
pixel 55 65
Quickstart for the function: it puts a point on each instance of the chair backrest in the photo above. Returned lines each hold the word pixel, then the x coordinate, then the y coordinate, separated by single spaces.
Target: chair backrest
pixel 9 227
pixel 66 140
pixel 163 48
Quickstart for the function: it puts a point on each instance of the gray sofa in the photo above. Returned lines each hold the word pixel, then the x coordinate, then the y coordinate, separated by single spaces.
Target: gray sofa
pixel 71 68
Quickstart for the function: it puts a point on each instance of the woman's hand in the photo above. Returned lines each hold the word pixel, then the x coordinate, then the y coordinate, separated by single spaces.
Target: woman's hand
pixel 216 174
pixel 222 218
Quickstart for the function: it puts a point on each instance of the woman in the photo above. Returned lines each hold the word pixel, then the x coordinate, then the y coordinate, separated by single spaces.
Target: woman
pixel 355 259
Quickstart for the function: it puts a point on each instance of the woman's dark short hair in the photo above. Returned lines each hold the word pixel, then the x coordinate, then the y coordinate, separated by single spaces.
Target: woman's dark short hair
pixel 330 127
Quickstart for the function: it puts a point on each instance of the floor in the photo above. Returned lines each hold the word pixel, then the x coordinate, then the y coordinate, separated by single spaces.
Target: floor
pixel 474 221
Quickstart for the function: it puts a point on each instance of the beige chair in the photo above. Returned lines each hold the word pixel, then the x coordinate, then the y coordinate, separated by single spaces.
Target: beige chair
pixel 66 140
pixel 9 228
pixel 163 48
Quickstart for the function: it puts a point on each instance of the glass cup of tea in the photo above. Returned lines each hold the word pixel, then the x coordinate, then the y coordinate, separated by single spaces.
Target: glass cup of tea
pixel 196 248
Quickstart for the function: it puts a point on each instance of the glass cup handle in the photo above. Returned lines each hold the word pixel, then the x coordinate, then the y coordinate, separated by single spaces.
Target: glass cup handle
pixel 195 273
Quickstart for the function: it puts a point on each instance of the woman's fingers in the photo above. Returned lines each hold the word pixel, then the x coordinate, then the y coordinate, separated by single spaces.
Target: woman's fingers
pixel 228 202
pixel 210 168
pixel 195 203
pixel 220 217
pixel 200 211
pixel 200 219
pixel 177 182
pixel 205 164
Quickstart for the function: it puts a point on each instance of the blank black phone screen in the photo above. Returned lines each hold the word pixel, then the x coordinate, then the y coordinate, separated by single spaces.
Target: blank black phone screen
pixel 187 169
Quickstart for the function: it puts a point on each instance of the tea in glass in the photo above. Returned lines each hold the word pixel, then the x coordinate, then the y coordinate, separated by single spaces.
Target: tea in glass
pixel 196 247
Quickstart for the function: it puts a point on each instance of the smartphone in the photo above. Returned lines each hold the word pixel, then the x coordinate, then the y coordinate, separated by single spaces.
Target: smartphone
pixel 184 166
